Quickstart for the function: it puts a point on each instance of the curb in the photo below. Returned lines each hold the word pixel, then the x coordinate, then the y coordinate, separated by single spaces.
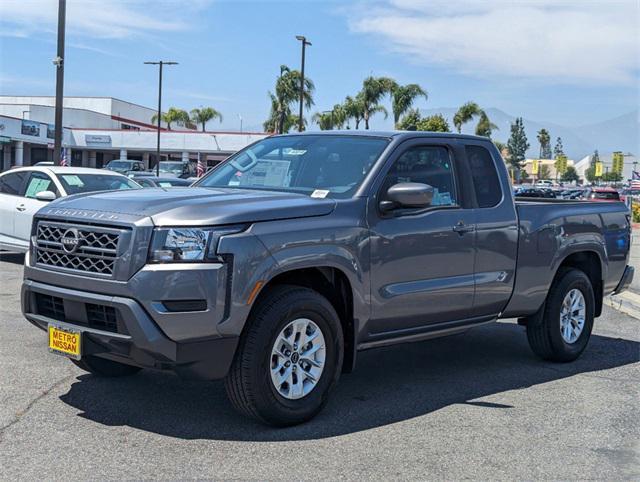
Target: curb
pixel 627 302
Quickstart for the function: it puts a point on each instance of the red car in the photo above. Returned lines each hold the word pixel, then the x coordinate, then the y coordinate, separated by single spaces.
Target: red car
pixel 605 194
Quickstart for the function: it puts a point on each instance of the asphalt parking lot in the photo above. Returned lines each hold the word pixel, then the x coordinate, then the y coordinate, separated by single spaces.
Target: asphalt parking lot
pixel 477 405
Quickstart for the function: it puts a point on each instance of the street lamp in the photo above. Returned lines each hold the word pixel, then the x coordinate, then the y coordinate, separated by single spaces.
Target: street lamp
pixel 59 63
pixel 160 63
pixel 304 42
pixel 240 117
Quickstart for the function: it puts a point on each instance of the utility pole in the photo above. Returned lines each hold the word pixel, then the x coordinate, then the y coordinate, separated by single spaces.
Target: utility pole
pixel 59 63
pixel 304 41
pixel 159 63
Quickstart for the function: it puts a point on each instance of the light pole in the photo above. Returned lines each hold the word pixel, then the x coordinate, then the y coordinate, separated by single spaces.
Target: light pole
pixel 59 63
pixel 240 117
pixel 304 42
pixel 160 63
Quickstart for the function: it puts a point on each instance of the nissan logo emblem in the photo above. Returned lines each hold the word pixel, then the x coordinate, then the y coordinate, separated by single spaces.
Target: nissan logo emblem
pixel 70 240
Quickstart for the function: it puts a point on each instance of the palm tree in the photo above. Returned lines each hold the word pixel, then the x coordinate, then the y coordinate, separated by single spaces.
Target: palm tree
pixel 373 90
pixel 485 127
pixel 544 138
pixel 402 98
pixel 353 109
pixel 203 115
pixel 324 120
pixel 179 116
pixel 465 113
pixel 287 92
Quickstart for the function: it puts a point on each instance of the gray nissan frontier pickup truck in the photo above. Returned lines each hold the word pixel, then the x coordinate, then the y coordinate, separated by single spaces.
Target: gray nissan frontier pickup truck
pixel 299 251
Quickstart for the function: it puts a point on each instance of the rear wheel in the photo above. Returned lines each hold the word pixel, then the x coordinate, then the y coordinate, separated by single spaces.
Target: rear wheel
pixel 289 358
pixel 562 330
pixel 105 368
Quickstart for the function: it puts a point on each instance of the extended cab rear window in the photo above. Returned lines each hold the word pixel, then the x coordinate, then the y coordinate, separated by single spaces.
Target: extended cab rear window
pixel 485 176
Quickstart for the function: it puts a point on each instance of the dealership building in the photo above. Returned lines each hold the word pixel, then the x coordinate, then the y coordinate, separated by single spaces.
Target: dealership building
pixel 100 129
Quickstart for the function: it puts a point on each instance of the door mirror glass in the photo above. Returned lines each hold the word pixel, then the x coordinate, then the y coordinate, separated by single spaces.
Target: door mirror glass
pixel 46 196
pixel 408 195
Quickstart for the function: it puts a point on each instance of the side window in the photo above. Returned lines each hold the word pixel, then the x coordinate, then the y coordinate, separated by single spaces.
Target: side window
pixel 427 165
pixel 39 182
pixel 485 177
pixel 12 183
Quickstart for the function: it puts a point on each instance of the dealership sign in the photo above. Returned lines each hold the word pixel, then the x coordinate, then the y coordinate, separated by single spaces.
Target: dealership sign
pixel 97 139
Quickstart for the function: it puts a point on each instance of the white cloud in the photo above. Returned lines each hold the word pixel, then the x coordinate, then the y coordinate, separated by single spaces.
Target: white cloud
pixel 576 41
pixel 98 18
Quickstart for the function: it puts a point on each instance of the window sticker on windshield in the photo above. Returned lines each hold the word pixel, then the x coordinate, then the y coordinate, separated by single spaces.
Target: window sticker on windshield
pixel 288 151
pixel 73 180
pixel 320 193
pixel 266 173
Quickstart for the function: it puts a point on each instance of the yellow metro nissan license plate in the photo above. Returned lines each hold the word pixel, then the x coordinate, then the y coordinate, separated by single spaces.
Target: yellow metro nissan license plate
pixel 65 342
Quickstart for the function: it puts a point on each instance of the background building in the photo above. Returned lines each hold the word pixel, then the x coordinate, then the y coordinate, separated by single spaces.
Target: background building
pixel 99 129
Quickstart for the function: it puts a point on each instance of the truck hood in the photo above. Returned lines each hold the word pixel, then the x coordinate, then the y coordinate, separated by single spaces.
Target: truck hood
pixel 190 206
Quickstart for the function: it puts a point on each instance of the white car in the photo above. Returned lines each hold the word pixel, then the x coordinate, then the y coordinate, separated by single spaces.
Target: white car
pixel 544 183
pixel 25 190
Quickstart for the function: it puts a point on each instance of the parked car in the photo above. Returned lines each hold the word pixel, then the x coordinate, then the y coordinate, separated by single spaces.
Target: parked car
pixel 153 181
pixel 605 194
pixel 125 166
pixel 299 251
pixel 544 183
pixel 534 192
pixel 176 169
pixel 25 190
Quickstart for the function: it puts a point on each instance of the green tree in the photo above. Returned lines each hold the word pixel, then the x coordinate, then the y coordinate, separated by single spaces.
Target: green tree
pixel 353 108
pixel 590 172
pixel 570 175
pixel 287 94
pixel 173 115
pixel 558 150
pixel 517 145
pixel 464 114
pixel 203 115
pixel 544 138
pixel 612 177
pixel 403 97
pixel 409 121
pixel 485 127
pixel 500 145
pixel 544 172
pixel 373 91
pixel 434 123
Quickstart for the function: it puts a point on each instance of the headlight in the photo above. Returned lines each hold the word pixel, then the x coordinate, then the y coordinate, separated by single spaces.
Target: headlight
pixel 187 244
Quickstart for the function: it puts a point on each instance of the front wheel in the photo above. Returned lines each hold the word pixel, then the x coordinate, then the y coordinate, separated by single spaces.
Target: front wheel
pixel 289 358
pixel 563 330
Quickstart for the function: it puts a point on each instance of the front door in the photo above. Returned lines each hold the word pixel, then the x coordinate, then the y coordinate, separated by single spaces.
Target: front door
pixel 422 260
pixel 27 205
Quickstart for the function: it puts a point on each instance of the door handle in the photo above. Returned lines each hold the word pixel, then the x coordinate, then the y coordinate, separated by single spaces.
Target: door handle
pixel 21 207
pixel 462 228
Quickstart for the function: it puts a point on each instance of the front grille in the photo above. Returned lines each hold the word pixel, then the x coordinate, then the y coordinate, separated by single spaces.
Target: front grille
pixel 50 306
pixel 100 317
pixel 78 247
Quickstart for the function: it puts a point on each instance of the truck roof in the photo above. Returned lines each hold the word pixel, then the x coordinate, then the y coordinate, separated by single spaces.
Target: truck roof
pixel 389 134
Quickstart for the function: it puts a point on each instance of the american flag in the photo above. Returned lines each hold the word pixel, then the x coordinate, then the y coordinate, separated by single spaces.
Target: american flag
pixel 64 161
pixel 200 168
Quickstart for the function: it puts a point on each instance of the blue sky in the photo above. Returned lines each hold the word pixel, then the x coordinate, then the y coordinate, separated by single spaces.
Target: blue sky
pixel 567 62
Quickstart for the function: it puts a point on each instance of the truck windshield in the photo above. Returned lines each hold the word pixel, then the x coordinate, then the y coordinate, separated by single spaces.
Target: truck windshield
pixel 319 165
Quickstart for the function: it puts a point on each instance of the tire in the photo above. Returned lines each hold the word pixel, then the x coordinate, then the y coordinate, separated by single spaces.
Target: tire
pixel 544 330
pixel 249 383
pixel 102 367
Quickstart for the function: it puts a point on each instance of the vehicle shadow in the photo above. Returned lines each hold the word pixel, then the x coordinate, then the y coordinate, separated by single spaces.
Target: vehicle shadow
pixel 11 257
pixel 389 385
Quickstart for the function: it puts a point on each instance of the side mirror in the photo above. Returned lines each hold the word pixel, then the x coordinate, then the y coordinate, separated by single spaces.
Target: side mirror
pixel 408 195
pixel 46 196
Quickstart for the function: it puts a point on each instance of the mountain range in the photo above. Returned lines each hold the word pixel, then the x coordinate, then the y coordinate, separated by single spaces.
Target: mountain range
pixel 620 133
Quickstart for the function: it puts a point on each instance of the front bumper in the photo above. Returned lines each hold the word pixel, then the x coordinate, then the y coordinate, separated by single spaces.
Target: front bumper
pixel 625 281
pixel 135 338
